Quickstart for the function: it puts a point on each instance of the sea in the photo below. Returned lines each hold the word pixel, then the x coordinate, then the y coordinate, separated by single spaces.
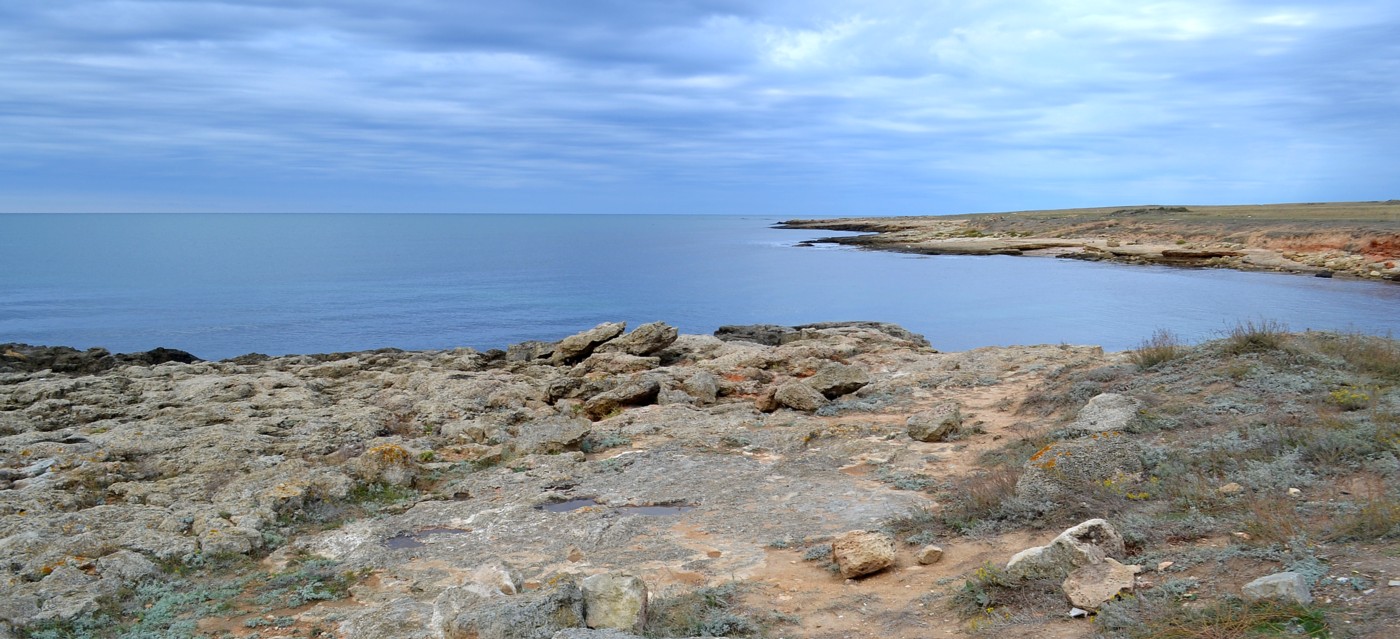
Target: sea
pixel 223 285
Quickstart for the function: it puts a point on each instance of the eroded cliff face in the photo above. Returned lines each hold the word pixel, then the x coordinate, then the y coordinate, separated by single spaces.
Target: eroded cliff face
pixel 461 493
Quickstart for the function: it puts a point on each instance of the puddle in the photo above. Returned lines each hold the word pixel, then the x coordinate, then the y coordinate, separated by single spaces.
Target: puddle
pixel 652 511
pixel 416 539
pixel 566 506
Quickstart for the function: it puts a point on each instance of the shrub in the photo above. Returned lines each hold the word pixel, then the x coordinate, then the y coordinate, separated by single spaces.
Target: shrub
pixel 1256 337
pixel 1163 346
pixel 1347 398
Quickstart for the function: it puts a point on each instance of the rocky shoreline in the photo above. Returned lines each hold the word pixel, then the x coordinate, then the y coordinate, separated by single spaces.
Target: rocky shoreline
pixel 1360 240
pixel 837 479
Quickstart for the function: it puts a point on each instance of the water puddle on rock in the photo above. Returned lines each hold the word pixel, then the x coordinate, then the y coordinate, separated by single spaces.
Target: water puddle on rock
pixel 566 506
pixel 652 511
pixel 416 539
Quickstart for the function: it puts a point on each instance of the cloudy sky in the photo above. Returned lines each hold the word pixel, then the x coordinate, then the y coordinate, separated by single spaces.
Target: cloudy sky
pixel 786 107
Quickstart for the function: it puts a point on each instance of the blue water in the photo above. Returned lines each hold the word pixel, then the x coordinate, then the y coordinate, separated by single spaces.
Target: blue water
pixel 224 285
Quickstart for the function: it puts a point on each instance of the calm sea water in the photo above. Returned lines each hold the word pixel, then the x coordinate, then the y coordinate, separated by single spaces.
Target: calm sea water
pixel 224 285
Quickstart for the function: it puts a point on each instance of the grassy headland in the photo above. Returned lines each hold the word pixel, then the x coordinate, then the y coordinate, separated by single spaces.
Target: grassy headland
pixel 1360 239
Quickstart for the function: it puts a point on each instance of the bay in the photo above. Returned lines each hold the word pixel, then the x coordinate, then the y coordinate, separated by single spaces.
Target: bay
pixel 224 285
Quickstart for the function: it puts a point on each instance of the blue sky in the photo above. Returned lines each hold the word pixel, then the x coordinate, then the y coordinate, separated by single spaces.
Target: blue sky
pixel 812 107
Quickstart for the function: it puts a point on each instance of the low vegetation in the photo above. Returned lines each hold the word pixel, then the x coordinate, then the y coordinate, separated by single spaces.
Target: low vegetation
pixel 1254 449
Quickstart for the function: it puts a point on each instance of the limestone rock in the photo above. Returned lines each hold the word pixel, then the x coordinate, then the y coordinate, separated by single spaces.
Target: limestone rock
pixel 495 579
pixel 532 615
pixel 929 555
pixel 936 424
pixel 618 363
pixel 551 436
pixel 615 601
pixel 1065 467
pixel 1287 587
pixel 1106 413
pixel 701 385
pixel 643 340
pixel 1229 489
pixel 767 401
pixel 862 552
pixel 799 396
pixel 529 351
pixel 1090 586
pixel 633 393
pixel 835 379
pixel 1085 544
pixel 580 345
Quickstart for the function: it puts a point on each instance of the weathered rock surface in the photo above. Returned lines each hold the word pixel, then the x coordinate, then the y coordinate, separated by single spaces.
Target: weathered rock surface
pixel 1105 413
pixel 1067 467
pixel 631 393
pixel 1085 544
pixel 575 347
pixel 646 339
pixel 934 425
pixel 862 552
pixel 1093 585
pixel 616 601
pixel 835 379
pixel 799 396
pixel 417 467
pixel 1285 587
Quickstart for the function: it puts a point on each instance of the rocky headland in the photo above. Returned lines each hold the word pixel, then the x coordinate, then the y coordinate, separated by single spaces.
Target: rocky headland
pixel 1351 239
pixel 829 480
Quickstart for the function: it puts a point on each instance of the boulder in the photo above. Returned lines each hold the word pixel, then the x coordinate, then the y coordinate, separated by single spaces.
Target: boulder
pixel 1287 587
pixel 929 555
pixel 1082 545
pixel 550 436
pixel 644 340
pixel 618 363
pixel 936 424
pixel 532 615
pixel 529 351
pixel 702 385
pixel 767 401
pixel 578 346
pixel 1106 412
pixel 1069 467
pixel 634 393
pixel 615 601
pixel 834 379
pixel 1091 586
pixel 862 552
pixel 799 396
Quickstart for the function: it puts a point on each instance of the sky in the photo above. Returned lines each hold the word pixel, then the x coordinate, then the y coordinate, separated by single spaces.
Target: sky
pixel 778 107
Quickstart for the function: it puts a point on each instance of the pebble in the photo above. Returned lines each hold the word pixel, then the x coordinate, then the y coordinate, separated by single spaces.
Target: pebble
pixel 1395 583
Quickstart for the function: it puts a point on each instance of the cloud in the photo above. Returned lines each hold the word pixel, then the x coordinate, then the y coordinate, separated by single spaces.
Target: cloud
pixel 897 106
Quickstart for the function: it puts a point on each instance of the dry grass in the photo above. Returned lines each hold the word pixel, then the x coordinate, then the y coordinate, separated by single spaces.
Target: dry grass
pixel 1256 337
pixel 1163 346
pixel 1367 354
pixel 1377 518
pixel 1228 619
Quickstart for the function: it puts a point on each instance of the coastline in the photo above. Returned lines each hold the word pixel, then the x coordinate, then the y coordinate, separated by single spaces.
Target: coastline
pixel 764 480
pixel 1350 239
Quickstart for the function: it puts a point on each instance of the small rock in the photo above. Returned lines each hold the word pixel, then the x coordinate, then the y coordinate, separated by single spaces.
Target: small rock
pixel 767 401
pixel 834 380
pixel 634 393
pixel 1394 583
pixel 1087 543
pixel 929 555
pixel 495 579
pixel 1106 412
pixel 1076 613
pixel 1231 488
pixel 936 424
pixel 1091 586
pixel 1288 587
pixel 701 385
pixel 1294 492
pixel 615 601
pixel 799 396
pixel 862 552
pixel 1162 566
